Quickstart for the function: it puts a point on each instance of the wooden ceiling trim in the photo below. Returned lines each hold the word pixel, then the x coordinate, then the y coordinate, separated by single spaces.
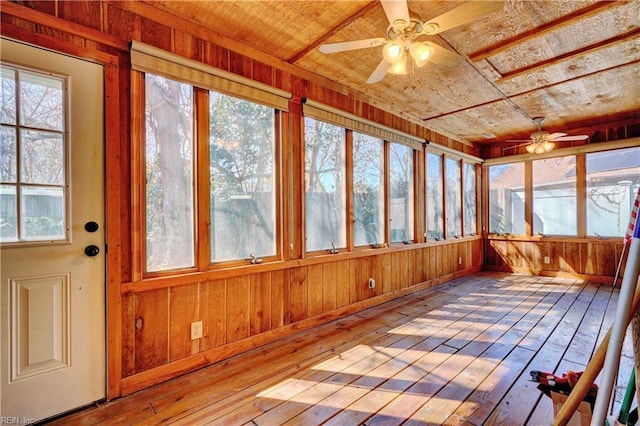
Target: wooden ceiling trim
pixel 544 29
pixel 360 13
pixel 570 55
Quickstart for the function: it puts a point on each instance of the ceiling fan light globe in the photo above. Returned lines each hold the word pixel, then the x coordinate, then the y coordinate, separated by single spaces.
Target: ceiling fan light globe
pixel 531 148
pixel 548 146
pixel 421 53
pixel 540 149
pixel 393 51
pixel 399 67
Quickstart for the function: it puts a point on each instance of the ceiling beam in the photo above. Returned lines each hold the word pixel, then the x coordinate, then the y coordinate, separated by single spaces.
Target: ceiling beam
pixel 293 59
pixel 546 28
pixel 632 34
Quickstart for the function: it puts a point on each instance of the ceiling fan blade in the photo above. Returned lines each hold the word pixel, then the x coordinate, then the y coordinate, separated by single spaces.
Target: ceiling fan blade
pixel 572 138
pixel 443 56
pixel 555 136
pixel 518 140
pixel 396 9
pixel 464 14
pixel 351 45
pixel 379 73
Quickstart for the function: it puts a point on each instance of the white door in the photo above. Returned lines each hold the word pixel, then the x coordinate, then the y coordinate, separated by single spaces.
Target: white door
pixel 52 318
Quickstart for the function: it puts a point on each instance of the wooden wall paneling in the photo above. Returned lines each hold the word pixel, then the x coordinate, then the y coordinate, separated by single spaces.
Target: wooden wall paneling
pixel 280 302
pixel 329 286
pixel 570 258
pixel 187 46
pixel 240 64
pixel 263 73
pixel 120 23
pixel 451 264
pixel 152 329
pixel 314 290
pixel 607 260
pixel 123 163
pixel 216 56
pixel 354 276
pixel 155 34
pixel 260 303
pixel 410 260
pixel 377 267
pixel 343 283
pixel 237 298
pixel 213 313
pixel 84 12
pixel 128 334
pixel 396 264
pixel 387 274
pixel 428 258
pixel 362 281
pixel 237 301
pixel 589 258
pixel 421 270
pixel 183 310
pixel 441 260
pixel 404 266
pixel 298 293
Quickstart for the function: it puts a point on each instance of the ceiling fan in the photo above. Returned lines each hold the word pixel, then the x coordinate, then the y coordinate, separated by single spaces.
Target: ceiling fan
pixel 542 141
pixel 405 27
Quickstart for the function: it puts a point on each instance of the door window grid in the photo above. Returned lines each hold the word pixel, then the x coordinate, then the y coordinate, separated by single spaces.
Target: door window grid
pixel 33 160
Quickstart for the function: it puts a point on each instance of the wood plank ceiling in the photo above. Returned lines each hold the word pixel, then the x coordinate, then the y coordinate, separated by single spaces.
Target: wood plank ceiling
pixel 577 63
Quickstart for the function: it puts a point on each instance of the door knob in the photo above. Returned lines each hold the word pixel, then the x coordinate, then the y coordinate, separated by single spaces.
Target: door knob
pixel 91 250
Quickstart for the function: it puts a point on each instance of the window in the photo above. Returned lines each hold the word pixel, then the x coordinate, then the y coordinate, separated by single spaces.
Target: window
pixel 554 196
pixel 506 199
pixel 454 198
pixel 33 157
pixel 613 178
pixel 469 211
pixel 169 174
pixel 325 171
pixel 242 181
pixel 435 193
pixel 401 197
pixel 368 189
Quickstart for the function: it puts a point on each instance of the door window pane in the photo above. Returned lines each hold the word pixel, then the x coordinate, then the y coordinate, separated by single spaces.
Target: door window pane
pixel 401 188
pixel 613 178
pixel 435 193
pixel 506 199
pixel 41 102
pixel 8 154
pixel 33 174
pixel 42 213
pixel 368 189
pixel 454 198
pixel 325 200
pixel 8 111
pixel 169 174
pixel 243 197
pixel 469 198
pixel 554 196
pixel 42 159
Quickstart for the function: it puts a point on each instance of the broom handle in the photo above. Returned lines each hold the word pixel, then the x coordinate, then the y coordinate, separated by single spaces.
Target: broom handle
pixel 591 372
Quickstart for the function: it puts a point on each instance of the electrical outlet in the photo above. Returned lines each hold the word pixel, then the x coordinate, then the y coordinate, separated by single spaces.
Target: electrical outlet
pixel 547 260
pixel 372 283
pixel 459 261
pixel 196 330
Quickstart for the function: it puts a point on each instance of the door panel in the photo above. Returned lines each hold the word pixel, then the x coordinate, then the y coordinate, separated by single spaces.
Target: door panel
pixel 52 319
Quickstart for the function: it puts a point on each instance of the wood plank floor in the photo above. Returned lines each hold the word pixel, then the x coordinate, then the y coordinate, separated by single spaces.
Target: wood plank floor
pixel 456 354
